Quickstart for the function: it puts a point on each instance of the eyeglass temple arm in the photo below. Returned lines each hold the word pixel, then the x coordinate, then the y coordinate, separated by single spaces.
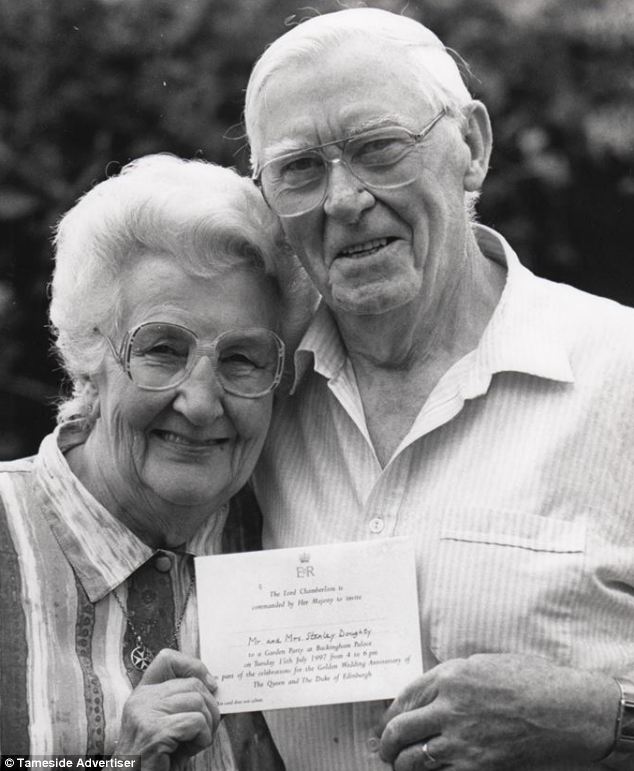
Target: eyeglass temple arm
pixel 431 125
pixel 115 353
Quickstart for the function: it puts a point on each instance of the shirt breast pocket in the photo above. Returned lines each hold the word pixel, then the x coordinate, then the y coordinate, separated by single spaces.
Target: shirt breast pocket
pixel 505 582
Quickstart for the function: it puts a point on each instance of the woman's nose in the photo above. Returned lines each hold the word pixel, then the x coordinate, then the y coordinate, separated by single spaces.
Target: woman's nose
pixel 199 397
pixel 346 196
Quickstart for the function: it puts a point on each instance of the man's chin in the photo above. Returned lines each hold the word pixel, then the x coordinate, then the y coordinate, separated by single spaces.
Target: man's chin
pixel 371 300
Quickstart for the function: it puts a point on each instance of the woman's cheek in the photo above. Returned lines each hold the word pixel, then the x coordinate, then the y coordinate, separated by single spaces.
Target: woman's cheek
pixel 253 423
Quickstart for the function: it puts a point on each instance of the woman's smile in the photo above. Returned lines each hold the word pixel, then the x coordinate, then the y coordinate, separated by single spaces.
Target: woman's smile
pixel 189 442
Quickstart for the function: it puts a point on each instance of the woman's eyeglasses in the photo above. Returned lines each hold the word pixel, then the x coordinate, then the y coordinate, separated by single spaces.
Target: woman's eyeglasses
pixel 157 356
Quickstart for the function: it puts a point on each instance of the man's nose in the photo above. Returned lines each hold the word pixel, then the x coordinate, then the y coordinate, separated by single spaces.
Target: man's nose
pixel 346 196
pixel 199 397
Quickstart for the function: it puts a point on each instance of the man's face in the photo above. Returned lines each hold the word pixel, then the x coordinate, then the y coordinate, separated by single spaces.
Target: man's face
pixel 369 250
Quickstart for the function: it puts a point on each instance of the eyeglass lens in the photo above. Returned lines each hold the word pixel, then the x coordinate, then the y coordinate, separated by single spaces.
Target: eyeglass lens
pixel 247 362
pixel 297 182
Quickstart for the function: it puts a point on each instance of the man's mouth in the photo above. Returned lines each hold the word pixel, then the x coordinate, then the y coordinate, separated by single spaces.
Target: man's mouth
pixel 365 248
pixel 188 442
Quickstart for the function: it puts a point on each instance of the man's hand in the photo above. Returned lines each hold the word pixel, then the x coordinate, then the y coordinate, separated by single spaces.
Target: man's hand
pixel 493 712
pixel 171 715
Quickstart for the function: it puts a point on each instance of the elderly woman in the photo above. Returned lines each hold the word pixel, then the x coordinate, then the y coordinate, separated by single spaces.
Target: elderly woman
pixel 166 311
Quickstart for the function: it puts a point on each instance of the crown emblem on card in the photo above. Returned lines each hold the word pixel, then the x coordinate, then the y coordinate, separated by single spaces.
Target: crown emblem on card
pixel 304 557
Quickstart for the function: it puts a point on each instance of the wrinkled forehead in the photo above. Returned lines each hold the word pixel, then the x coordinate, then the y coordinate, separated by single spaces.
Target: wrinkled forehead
pixel 346 80
pixel 328 94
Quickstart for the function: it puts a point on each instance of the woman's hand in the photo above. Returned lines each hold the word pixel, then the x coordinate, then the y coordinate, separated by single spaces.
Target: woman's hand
pixel 171 714
pixel 493 712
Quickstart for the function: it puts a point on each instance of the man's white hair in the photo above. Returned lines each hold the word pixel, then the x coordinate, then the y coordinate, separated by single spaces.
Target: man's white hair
pixel 433 68
pixel 207 218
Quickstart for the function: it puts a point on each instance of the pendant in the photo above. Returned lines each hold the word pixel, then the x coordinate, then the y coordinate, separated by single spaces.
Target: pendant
pixel 141 656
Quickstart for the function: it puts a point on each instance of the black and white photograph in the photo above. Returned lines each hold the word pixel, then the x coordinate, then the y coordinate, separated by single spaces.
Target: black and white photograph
pixel 317 385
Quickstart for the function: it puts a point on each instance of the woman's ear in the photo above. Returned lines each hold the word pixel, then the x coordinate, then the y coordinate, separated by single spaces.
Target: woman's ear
pixel 90 396
pixel 478 139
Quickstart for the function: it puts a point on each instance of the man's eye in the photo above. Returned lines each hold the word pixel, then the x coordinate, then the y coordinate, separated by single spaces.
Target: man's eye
pixel 300 165
pixel 380 150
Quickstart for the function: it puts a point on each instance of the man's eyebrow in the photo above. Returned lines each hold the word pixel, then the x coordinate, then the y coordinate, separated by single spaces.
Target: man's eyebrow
pixel 288 146
pixel 283 147
pixel 375 123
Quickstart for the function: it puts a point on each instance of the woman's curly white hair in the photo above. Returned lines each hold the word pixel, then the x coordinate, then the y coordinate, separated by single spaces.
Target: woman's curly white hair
pixel 208 218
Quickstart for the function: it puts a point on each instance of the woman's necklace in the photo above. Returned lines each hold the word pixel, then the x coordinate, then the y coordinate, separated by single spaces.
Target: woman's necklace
pixel 141 656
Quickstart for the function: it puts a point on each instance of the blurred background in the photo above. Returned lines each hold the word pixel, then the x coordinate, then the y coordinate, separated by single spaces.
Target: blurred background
pixel 87 85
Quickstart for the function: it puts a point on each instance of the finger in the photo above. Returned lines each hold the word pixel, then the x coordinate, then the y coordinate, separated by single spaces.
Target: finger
pixel 425 756
pixel 170 664
pixel 418 693
pixel 408 728
pixel 156 691
pixel 189 729
pixel 216 717
pixel 178 695
pixel 190 701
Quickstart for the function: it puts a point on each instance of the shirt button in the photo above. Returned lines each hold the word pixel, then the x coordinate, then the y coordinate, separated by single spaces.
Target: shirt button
pixel 163 563
pixel 373 744
pixel 376 525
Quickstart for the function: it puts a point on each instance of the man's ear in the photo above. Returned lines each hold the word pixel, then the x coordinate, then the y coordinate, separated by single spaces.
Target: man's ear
pixel 479 140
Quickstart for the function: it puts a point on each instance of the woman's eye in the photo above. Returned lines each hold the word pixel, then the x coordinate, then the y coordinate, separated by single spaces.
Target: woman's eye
pixel 160 351
pixel 238 359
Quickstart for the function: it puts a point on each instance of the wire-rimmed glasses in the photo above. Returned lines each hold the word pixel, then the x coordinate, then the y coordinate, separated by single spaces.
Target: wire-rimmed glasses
pixel 296 183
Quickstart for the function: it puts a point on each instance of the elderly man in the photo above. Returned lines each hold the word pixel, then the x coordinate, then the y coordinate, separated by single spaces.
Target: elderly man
pixel 444 393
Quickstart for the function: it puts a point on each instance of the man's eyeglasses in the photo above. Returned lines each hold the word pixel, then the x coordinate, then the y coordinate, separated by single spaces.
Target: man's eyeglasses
pixel 157 356
pixel 296 183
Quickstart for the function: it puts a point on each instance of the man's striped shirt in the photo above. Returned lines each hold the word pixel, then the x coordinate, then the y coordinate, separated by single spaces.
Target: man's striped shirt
pixel 515 484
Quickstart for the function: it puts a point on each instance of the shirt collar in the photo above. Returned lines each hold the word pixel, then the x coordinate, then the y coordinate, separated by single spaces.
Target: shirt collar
pixel 102 551
pixel 522 334
pixel 321 347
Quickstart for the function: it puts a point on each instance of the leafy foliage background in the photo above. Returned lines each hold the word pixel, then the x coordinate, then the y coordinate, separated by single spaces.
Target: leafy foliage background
pixel 86 85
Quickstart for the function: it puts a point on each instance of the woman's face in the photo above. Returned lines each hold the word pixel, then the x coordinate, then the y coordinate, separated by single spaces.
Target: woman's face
pixel 194 445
